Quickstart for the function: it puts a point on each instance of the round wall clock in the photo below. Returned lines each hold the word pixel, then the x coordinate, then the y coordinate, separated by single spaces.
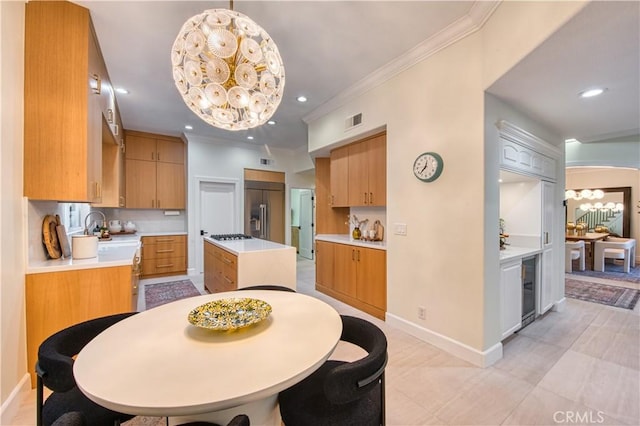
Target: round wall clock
pixel 428 166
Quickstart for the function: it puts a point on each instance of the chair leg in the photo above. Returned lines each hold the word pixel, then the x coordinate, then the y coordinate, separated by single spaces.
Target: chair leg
pixel 383 414
pixel 39 397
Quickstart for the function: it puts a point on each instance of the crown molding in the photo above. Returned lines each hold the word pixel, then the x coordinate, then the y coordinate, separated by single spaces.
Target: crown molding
pixel 474 20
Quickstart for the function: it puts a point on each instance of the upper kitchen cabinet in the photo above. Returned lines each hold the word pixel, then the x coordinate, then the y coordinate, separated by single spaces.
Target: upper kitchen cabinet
pixel 359 173
pixel 64 78
pixel 155 171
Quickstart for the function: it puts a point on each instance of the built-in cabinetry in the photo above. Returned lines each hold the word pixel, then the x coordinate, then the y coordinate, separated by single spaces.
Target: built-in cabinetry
pixel 510 297
pixel 221 269
pixel 353 274
pixel 164 255
pixel 329 220
pixel 358 173
pixel 64 80
pixel 548 267
pixel 56 300
pixel 155 171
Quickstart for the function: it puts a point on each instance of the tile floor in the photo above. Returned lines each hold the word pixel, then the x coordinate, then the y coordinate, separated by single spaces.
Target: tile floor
pixel 581 366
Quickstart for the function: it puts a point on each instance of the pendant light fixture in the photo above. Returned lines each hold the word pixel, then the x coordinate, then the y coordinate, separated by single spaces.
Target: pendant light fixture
pixel 228 69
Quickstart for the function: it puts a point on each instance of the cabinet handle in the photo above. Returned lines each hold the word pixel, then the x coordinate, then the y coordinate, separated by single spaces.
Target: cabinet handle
pixel 165 266
pixel 121 203
pixel 331 202
pixel 152 203
pixel 228 280
pixel 358 255
pixel 109 115
pixel 98 88
pixel 365 198
pixel 353 254
pixel 164 240
pixel 158 203
pixel 227 261
pixel 158 156
pixel 371 198
pixel 546 238
pixel 165 251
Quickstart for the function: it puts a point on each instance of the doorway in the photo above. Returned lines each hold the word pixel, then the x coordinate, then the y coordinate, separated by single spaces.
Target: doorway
pixel 216 213
pixel 302 213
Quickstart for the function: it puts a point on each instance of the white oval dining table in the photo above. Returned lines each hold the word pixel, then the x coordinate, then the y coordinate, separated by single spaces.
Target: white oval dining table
pixel 156 363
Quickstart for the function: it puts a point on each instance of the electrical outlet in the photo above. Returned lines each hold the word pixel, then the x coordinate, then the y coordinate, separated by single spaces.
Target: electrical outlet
pixel 422 312
pixel 400 228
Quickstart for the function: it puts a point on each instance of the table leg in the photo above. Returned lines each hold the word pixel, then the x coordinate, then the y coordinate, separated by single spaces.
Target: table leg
pixel 262 412
pixel 590 255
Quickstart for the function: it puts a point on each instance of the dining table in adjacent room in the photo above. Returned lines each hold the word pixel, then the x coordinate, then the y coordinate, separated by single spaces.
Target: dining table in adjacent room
pixel 157 363
pixel 589 239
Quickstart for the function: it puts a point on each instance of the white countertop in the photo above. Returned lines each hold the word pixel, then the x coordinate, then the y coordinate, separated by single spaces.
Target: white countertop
pixel 109 255
pixel 511 253
pixel 347 239
pixel 250 245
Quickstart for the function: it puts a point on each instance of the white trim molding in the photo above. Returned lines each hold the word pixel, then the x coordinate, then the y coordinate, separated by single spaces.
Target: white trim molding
pixel 482 359
pixel 11 405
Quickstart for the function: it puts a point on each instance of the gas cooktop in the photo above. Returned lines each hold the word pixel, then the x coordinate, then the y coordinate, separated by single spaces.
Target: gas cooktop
pixel 227 237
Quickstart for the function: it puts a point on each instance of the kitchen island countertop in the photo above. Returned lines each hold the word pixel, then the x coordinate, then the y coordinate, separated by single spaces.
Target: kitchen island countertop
pixel 248 245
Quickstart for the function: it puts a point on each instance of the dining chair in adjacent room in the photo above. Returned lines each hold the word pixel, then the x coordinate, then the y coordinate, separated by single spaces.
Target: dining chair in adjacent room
pixel 54 370
pixel 239 420
pixel 574 250
pixel 268 287
pixel 615 248
pixel 341 392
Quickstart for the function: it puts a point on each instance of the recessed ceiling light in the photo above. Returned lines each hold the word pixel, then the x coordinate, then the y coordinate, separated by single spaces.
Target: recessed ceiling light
pixel 122 90
pixel 302 99
pixel 250 138
pixel 188 127
pixel 271 122
pixel 592 92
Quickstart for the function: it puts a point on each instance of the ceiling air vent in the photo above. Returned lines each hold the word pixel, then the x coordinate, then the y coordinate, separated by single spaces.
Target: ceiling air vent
pixel 353 121
pixel 266 161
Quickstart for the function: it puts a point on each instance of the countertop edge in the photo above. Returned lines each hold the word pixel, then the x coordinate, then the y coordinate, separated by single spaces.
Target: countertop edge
pixel 228 246
pixel 346 239
pixel 515 253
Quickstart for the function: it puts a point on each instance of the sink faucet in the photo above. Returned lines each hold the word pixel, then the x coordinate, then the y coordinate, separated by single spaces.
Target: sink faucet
pixel 104 220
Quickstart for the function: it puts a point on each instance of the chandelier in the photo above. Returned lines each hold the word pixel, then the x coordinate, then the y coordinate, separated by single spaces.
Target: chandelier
pixel 227 69
pixel 585 194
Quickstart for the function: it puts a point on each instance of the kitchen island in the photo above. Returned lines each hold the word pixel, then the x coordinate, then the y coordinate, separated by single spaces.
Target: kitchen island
pixel 234 264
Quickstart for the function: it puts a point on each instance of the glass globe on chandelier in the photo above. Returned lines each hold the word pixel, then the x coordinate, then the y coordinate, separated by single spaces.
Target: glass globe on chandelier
pixel 228 69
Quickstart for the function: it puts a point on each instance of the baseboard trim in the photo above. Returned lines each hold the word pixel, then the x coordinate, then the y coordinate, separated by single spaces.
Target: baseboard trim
pixel 11 405
pixel 479 358
pixel 559 305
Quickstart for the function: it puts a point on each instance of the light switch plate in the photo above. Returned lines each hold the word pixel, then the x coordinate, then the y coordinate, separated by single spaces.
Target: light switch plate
pixel 400 228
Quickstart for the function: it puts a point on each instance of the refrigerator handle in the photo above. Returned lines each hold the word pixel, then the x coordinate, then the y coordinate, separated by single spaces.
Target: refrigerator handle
pixel 263 220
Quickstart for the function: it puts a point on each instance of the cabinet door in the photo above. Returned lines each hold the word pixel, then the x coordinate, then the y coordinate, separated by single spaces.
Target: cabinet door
pixel 548 190
pixel 339 170
pixel 140 148
pixel 170 190
pixel 371 281
pixel 545 297
pixel 344 279
pixel 377 170
pixel 510 298
pixel 549 277
pixel 358 174
pixel 141 184
pixel 169 151
pixel 324 264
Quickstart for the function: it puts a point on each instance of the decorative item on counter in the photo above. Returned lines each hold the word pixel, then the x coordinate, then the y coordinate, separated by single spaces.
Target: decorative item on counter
pixel 84 246
pixel 503 235
pixel 50 236
pixel 129 226
pixel 357 225
pixel 115 226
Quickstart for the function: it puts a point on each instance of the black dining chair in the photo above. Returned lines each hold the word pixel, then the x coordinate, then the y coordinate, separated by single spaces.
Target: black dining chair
pixel 54 370
pixel 268 287
pixel 72 418
pixel 239 420
pixel 339 392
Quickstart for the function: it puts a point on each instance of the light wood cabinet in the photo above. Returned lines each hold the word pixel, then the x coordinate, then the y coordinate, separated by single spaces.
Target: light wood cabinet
pixel 57 300
pixel 359 172
pixel 113 177
pixel 355 275
pixel 329 220
pixel 155 171
pixel 221 269
pixel 64 72
pixel 164 255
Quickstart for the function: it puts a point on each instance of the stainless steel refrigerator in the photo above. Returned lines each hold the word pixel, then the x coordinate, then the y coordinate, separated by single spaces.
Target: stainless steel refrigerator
pixel 264 210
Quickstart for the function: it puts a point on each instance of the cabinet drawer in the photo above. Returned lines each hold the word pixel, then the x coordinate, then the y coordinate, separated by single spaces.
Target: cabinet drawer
pixel 164 239
pixel 164 266
pixel 163 251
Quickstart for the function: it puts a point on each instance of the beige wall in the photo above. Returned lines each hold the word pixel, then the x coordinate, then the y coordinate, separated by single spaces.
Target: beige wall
pixel 438 105
pixel 13 361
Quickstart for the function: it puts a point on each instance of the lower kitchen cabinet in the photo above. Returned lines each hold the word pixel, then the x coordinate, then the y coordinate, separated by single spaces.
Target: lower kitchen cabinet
pixel 354 275
pixel 510 297
pixel 57 300
pixel 164 255
pixel 220 270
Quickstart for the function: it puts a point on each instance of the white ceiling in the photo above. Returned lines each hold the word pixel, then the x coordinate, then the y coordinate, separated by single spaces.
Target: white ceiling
pixel 329 46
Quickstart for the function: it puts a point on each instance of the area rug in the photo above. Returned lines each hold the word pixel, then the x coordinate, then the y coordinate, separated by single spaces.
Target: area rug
pixel 612 272
pixel 161 293
pixel 619 297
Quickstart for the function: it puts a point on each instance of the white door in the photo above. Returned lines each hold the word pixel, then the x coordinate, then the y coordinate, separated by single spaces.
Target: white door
pixel 306 224
pixel 216 215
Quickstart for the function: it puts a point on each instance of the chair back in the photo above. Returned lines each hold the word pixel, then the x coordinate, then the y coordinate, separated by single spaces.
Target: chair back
pixel 574 245
pixel 350 381
pixel 55 362
pixel 268 287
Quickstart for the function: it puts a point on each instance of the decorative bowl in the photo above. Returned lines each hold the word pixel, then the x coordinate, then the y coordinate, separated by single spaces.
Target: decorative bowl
pixel 229 314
